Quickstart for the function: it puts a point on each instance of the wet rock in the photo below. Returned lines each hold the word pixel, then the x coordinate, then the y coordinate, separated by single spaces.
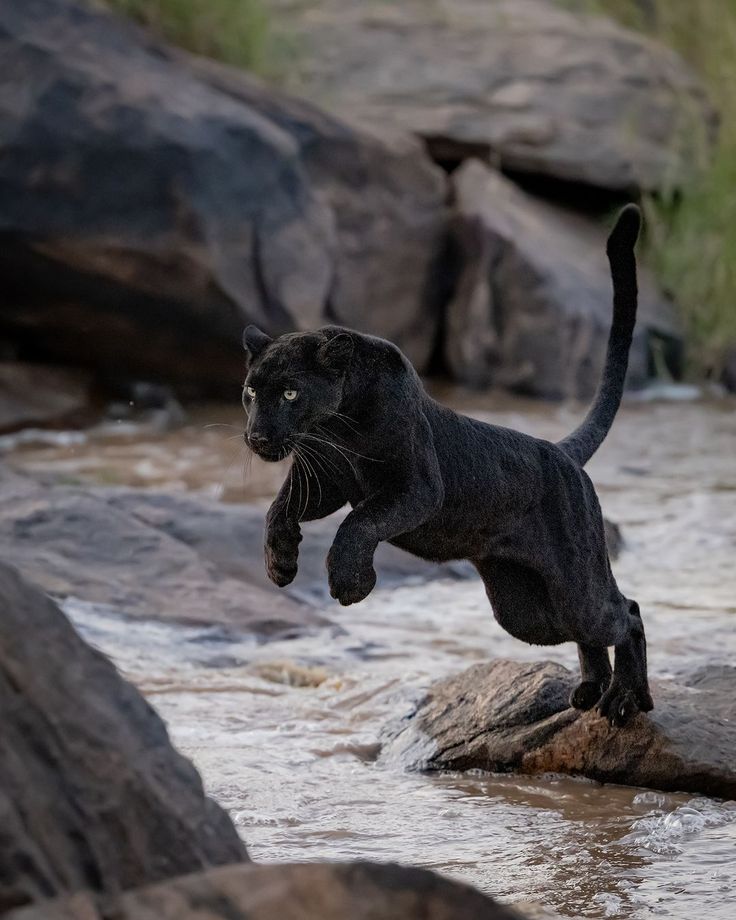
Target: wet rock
pixel 180 557
pixel 217 202
pixel 359 891
pixel 78 544
pixel 231 537
pixel 541 90
pixel 504 716
pixel 92 793
pixel 36 395
pixel 532 307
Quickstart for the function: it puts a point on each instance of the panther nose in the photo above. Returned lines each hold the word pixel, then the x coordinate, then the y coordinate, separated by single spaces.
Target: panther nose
pixel 259 440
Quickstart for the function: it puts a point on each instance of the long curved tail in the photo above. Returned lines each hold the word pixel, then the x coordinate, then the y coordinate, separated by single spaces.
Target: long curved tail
pixel 585 440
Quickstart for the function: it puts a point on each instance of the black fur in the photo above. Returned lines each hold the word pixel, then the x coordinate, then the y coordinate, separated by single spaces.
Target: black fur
pixel 364 432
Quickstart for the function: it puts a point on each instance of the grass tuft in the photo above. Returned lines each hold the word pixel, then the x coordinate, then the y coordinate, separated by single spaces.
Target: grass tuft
pixel 237 32
pixel 691 241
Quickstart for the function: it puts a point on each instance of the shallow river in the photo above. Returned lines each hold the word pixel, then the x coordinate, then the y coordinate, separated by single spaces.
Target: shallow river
pixel 286 734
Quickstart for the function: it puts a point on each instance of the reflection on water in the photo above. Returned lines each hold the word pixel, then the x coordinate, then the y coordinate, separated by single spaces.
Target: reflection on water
pixel 286 734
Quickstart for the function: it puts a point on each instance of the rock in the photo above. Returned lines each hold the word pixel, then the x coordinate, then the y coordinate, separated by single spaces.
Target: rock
pixel 729 371
pixel 92 794
pixel 36 395
pixel 231 537
pixel 182 557
pixel 79 545
pixel 359 891
pixel 217 202
pixel 506 716
pixel 533 304
pixel 178 557
pixel 538 89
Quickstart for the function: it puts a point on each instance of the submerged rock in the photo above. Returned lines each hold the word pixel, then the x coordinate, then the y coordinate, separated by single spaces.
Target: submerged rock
pixel 92 793
pixel 532 307
pixel 153 204
pixel 505 716
pixel 539 89
pixel 358 891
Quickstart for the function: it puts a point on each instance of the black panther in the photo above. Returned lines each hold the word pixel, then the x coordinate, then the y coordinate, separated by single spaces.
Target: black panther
pixel 352 411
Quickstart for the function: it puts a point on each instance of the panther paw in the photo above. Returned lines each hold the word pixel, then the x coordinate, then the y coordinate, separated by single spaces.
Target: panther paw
pixel 618 704
pixel 586 695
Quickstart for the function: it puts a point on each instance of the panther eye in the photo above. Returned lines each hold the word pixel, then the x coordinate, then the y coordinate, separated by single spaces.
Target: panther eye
pixel 250 392
pixel 291 395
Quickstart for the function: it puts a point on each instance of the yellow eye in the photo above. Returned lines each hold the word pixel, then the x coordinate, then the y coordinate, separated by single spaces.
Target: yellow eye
pixel 250 392
pixel 291 395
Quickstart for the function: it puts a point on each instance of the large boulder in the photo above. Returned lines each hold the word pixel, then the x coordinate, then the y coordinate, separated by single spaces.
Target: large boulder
pixel 36 395
pixel 329 891
pixel 151 204
pixel 538 88
pixel 504 716
pixel 532 306
pixel 92 794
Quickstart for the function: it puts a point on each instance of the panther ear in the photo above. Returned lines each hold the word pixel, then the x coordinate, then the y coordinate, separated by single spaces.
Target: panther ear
pixel 335 353
pixel 255 341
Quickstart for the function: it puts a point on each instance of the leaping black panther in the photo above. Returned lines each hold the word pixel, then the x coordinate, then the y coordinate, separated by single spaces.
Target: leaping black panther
pixel 354 413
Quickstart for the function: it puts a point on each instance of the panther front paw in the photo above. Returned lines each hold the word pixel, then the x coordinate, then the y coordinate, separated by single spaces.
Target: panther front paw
pixel 351 579
pixel 281 569
pixel 282 555
pixel 618 704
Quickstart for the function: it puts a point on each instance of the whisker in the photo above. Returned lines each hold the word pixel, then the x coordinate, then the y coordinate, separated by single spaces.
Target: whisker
pixel 314 451
pixel 349 449
pixel 317 458
pixel 302 510
pixel 221 488
pixel 310 467
pixel 291 486
pixel 334 447
pixel 222 425
pixel 347 421
pixel 247 465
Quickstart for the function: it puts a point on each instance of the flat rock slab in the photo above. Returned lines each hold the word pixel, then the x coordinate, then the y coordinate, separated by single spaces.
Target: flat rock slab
pixel 176 557
pixel 231 537
pixel 76 544
pixel 92 792
pixel 507 716
pixel 539 88
pixel 329 891
pixel 532 308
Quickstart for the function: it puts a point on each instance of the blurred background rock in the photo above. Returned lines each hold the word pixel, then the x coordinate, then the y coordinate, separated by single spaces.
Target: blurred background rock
pixel 439 173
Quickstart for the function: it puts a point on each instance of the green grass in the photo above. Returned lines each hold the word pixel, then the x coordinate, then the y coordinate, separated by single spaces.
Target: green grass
pixel 692 236
pixel 236 32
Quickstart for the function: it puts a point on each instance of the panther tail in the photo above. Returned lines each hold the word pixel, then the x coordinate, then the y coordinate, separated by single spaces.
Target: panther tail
pixel 585 440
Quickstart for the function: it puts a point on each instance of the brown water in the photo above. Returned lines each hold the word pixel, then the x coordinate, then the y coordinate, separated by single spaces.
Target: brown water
pixel 286 734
